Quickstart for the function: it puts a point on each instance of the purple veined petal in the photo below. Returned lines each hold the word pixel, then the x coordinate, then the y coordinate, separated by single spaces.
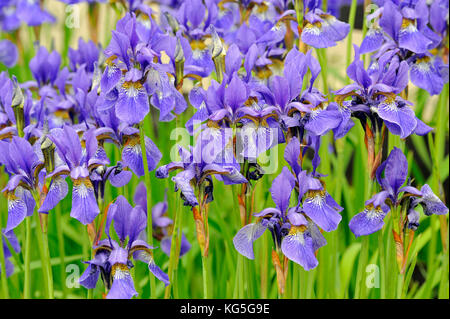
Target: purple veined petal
pixel 409 37
pixel 132 155
pixel 396 169
pixel 279 86
pixel 333 28
pixel 296 219
pixel 373 40
pixel 411 190
pixel 79 172
pixel 368 221
pixel 391 19
pixel 57 192
pixel 243 241
pixel 89 277
pixel 158 273
pixel 123 285
pixel 413 219
pixel 424 75
pixel 316 235
pixel 378 200
pixel 233 59
pixel 421 128
pixel 163 171
pixel 17 148
pixel 140 196
pixel 267 212
pixel 281 189
pixel 319 210
pixel 121 217
pixel 120 179
pixel 84 204
pixel 68 145
pixel 431 203
pixel 132 105
pixel 183 183
pixel 232 177
pixel 346 123
pixel 236 93
pixel 292 155
pixel 323 120
pixel 111 77
pixel 399 120
pixel 8 53
pixel 307 183
pixel 313 35
pixel 298 247
pixel 17 211
pixel 250 60
pixel 137 222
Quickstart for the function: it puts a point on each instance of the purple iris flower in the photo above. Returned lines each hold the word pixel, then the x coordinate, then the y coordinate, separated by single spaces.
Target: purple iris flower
pixel 323 30
pixel 8 53
pixel 45 66
pixel 78 162
pixel 24 181
pixel 161 223
pixel 113 260
pixel 12 239
pixel 403 29
pixel 198 165
pixel 14 12
pixel 316 202
pixel 112 130
pixel 393 195
pixel 87 54
pixel 292 232
pixel 375 97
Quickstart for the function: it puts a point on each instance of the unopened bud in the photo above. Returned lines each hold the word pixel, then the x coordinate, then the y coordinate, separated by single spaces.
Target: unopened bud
pixel 173 23
pixel 48 150
pixel 179 63
pixel 218 54
pixel 17 106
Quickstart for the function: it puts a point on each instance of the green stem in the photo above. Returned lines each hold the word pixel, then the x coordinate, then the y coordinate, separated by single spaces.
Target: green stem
pixel 59 231
pixel 42 238
pixel 27 260
pixel 205 276
pixel 5 292
pixel 175 246
pixel 149 202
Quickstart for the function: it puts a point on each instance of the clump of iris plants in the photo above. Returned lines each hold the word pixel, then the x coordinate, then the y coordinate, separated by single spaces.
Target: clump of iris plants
pixel 219 144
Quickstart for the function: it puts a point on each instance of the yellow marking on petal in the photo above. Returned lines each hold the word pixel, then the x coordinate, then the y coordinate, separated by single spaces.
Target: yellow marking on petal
pixel 119 271
pixel 132 85
pixel 198 45
pixel 110 61
pixel 406 23
pixel 297 229
pixel 425 59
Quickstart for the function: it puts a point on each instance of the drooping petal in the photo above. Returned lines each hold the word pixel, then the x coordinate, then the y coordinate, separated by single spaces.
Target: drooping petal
pixel 243 241
pixel 320 211
pixel 368 221
pixel 132 105
pixel 123 285
pixel 298 247
pixel 281 189
pixel 431 203
pixel 84 204
pixel 57 192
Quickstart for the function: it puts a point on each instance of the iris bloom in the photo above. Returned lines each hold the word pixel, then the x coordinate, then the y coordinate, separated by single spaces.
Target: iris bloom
pixel 78 163
pixel 197 166
pixel 393 195
pixel 113 259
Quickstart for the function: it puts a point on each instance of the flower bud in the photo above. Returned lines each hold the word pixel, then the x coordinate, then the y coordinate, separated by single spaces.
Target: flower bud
pixel 48 150
pixel 17 106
